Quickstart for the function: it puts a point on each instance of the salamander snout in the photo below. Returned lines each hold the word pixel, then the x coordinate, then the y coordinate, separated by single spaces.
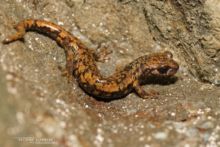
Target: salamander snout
pixel 166 70
pixel 163 65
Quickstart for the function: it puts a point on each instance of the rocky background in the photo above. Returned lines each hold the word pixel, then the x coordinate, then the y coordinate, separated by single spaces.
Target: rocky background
pixel 38 107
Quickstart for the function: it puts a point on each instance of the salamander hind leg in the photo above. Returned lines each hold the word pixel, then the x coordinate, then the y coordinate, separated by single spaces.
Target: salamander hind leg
pixel 18 35
pixel 68 71
pixel 144 94
pixel 101 54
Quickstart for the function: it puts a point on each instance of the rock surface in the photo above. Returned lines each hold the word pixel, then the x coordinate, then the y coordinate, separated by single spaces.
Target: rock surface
pixel 39 107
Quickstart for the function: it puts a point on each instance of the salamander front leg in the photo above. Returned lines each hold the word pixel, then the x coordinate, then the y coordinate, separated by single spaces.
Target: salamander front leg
pixel 144 94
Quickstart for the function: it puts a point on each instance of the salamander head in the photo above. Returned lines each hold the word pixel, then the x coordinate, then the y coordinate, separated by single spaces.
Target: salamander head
pixel 161 65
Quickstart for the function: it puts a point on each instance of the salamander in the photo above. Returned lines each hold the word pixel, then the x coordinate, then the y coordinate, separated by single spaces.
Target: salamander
pixel 81 63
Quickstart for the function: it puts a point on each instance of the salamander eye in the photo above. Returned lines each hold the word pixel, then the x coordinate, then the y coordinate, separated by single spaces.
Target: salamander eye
pixel 163 70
